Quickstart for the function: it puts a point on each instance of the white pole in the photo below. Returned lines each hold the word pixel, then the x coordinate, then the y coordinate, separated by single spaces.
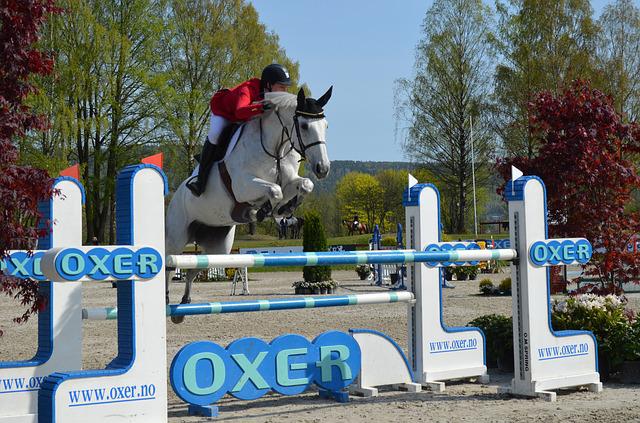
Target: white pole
pixel 473 179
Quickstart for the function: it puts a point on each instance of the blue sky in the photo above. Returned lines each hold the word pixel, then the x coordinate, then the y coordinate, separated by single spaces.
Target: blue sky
pixel 360 47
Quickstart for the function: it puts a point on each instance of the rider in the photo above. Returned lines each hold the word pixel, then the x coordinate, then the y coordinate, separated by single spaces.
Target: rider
pixel 239 104
pixel 355 222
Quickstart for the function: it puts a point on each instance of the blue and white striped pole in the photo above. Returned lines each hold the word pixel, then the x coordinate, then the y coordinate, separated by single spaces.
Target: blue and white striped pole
pixel 430 258
pixel 111 313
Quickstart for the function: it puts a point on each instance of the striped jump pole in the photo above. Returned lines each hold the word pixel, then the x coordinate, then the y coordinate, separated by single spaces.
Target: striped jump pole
pixel 430 258
pixel 111 313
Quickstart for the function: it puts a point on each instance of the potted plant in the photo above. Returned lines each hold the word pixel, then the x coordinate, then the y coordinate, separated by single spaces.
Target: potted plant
pixel 486 287
pixel 472 272
pixel 302 288
pixel 461 273
pixel 363 271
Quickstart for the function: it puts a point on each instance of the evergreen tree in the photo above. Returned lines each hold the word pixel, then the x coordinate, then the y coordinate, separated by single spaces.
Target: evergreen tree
pixel 314 240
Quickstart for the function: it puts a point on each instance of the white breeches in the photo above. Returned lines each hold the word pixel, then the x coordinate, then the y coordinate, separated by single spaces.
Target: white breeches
pixel 216 125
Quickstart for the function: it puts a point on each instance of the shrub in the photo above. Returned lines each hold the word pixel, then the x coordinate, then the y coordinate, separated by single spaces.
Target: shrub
pixel 615 328
pixel 314 239
pixel 498 333
pixel 505 286
pixel 486 287
pixel 389 241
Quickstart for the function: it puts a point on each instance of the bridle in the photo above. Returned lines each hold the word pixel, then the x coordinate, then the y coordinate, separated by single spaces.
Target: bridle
pixel 286 137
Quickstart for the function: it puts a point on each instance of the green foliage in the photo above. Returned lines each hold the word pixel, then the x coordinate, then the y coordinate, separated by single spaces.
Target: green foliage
pixel 388 241
pixel 619 56
pixel 498 333
pixel 545 45
pixel 360 194
pixel 615 329
pixel 314 239
pixel 505 285
pixel 448 93
pixel 134 77
pixel 486 286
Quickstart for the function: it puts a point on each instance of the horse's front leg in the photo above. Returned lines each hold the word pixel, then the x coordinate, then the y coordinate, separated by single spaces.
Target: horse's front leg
pixel 293 193
pixel 256 191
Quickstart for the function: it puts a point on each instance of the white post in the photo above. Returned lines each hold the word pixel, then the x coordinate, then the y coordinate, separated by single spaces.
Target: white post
pixel 437 352
pixel 133 387
pixel 60 324
pixel 544 359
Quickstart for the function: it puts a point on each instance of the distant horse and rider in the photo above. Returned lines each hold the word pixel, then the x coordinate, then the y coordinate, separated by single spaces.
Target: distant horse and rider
pixel 289 227
pixel 254 174
pixel 355 226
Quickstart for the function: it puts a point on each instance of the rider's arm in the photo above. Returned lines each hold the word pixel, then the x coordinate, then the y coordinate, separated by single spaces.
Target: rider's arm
pixel 245 107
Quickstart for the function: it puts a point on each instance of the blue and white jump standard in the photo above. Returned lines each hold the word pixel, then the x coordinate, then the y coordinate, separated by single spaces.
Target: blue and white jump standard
pixel 544 359
pixel 133 386
pixel 59 324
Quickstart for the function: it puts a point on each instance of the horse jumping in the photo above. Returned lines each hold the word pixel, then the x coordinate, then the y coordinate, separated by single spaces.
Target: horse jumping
pixel 251 183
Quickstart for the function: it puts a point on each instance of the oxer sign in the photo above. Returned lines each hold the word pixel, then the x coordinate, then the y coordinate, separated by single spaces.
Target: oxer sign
pixel 21 265
pixel 203 372
pixel 101 263
pixel 560 251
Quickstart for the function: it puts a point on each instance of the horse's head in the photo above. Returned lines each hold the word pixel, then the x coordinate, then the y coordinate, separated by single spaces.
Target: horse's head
pixel 311 127
pixel 302 120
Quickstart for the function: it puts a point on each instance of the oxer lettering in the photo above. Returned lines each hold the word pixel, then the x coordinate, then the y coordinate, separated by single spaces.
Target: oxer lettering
pixel 560 251
pixel 202 372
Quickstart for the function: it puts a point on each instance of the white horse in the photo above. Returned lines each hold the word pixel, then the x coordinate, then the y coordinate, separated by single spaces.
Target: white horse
pixel 258 177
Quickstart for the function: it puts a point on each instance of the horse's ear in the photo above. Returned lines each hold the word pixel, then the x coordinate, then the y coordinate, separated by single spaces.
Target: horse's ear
pixel 301 98
pixel 325 97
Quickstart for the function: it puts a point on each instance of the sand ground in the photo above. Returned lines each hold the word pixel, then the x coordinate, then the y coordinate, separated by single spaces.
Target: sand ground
pixel 462 401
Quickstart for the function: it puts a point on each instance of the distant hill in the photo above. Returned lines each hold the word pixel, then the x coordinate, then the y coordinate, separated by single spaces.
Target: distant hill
pixel 339 168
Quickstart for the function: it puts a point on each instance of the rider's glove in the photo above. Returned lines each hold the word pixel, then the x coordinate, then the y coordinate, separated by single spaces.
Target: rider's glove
pixel 267 105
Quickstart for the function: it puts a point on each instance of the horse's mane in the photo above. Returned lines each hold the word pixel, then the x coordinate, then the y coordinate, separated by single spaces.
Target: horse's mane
pixel 282 99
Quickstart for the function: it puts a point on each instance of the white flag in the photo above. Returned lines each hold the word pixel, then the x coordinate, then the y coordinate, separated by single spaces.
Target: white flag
pixel 412 182
pixel 515 174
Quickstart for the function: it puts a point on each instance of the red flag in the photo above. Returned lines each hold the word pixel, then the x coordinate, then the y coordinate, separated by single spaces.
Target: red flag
pixel 156 159
pixel 73 171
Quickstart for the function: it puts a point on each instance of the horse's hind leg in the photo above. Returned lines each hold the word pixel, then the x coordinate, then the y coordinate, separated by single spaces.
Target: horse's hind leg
pixel 212 240
pixel 186 297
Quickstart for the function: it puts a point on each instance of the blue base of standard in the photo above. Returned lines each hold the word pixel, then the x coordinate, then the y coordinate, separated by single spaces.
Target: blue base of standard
pixel 203 410
pixel 340 396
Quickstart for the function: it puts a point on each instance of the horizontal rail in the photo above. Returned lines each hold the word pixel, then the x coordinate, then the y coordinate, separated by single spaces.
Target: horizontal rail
pixel 111 313
pixel 431 258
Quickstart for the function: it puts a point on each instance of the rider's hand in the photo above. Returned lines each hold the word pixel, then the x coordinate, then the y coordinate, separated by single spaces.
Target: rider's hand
pixel 267 105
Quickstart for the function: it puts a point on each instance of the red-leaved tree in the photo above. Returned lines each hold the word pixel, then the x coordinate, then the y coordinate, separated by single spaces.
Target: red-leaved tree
pixel 21 187
pixel 584 160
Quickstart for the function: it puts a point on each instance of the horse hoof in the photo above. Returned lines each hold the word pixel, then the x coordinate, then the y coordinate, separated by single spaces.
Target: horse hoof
pixel 177 319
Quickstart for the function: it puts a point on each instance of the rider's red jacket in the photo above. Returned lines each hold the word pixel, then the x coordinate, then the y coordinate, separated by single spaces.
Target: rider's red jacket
pixel 238 103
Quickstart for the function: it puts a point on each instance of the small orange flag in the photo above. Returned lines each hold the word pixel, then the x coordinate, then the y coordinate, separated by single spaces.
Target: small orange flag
pixel 73 171
pixel 156 159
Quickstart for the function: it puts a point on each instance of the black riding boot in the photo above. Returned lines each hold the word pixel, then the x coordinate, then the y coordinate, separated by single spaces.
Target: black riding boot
pixel 210 154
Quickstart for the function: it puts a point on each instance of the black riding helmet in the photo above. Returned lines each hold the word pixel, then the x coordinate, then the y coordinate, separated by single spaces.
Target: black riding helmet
pixel 274 74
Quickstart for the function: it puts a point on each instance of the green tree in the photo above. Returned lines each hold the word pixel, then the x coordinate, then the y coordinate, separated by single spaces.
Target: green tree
pixel 361 194
pixel 448 96
pixel 314 239
pixel 207 46
pixel 544 45
pixel 393 184
pixel 619 56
